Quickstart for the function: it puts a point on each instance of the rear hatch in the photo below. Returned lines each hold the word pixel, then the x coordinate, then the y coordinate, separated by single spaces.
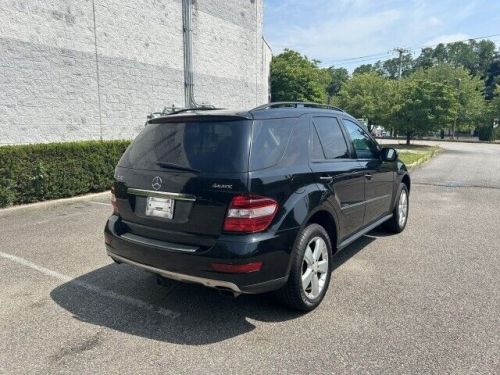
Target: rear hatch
pixel 176 179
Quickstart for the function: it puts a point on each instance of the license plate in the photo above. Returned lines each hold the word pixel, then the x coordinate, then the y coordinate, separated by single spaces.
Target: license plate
pixel 160 207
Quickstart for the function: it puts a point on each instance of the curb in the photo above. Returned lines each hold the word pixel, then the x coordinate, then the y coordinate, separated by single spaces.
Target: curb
pixel 51 203
pixel 424 159
pixel 441 140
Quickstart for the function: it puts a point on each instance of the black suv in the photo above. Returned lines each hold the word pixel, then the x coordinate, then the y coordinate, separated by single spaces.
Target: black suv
pixel 255 201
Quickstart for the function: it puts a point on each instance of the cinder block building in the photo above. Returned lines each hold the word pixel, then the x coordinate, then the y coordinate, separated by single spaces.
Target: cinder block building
pixel 93 69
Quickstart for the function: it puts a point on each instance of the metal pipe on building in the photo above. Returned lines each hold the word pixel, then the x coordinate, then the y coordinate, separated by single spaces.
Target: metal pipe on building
pixel 187 24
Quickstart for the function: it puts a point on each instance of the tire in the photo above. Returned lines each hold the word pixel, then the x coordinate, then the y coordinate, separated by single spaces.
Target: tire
pixel 311 260
pixel 400 213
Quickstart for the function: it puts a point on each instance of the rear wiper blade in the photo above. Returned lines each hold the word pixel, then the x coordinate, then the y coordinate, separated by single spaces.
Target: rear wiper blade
pixel 178 167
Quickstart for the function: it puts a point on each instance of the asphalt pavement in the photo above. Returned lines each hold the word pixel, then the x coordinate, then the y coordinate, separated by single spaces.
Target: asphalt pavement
pixel 424 301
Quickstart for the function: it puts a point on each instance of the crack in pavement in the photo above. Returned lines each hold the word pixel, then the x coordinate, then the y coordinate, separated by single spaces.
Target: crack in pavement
pixel 455 185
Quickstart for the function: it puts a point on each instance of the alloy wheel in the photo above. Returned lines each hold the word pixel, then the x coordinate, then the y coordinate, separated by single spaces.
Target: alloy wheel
pixel 315 267
pixel 403 208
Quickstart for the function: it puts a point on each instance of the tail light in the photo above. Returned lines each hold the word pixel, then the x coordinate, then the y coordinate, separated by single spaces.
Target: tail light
pixel 250 214
pixel 113 201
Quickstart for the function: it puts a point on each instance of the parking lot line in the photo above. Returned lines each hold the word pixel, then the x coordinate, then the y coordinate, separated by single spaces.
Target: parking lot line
pixel 103 203
pixel 102 292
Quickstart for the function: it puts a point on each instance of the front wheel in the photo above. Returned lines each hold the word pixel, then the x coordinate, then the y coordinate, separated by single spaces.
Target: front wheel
pixel 400 214
pixel 310 272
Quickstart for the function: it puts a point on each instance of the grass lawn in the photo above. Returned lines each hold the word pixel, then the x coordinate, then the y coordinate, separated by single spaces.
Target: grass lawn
pixel 410 157
pixel 414 153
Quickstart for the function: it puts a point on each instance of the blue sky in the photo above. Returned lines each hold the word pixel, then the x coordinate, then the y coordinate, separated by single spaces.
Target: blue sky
pixel 336 30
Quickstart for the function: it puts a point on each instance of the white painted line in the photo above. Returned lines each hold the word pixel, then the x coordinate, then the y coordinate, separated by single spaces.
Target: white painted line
pixel 103 203
pixel 93 288
pixel 54 202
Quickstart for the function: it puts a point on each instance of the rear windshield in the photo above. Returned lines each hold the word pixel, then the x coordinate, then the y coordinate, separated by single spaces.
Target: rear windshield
pixel 217 147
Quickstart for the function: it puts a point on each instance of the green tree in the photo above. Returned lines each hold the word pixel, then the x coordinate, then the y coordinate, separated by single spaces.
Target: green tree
pixel 368 95
pixel 364 68
pixel 423 106
pixel 479 58
pixel 334 78
pixel 296 78
pixel 489 130
pixel 467 90
pixel 390 68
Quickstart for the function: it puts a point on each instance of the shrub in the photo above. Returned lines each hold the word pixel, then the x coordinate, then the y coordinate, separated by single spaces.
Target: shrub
pixel 31 173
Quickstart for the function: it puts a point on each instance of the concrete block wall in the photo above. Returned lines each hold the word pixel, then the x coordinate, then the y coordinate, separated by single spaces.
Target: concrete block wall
pixel 91 69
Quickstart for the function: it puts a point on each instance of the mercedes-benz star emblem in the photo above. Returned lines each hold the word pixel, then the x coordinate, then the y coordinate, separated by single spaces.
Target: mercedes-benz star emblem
pixel 156 183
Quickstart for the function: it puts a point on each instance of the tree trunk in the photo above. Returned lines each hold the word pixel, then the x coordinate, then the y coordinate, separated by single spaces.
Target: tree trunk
pixel 408 137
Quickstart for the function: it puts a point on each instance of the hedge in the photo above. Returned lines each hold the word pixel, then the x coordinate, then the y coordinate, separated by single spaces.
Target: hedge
pixel 31 173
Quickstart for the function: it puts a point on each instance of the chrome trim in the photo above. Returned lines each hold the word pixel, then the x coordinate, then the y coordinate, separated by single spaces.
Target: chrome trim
pixel 179 276
pixel 156 243
pixel 161 194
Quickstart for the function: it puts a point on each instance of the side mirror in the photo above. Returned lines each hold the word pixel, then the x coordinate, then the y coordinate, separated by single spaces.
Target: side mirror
pixel 389 154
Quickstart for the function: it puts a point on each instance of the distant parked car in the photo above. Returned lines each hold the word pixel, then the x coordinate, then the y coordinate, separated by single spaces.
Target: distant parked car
pixel 252 202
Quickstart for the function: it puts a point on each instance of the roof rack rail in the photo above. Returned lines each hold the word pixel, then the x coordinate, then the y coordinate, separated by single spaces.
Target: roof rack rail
pixel 295 105
pixel 173 110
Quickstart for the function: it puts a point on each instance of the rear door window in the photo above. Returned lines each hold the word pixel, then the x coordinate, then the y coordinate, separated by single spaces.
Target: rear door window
pixel 331 138
pixel 218 147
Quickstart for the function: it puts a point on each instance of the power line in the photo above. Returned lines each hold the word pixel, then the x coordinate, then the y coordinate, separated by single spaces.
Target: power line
pixel 362 57
pixel 375 56
pixel 463 40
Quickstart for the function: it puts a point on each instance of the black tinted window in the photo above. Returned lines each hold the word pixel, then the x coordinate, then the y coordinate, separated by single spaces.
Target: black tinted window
pixel 316 148
pixel 331 137
pixel 297 149
pixel 269 141
pixel 363 145
pixel 217 147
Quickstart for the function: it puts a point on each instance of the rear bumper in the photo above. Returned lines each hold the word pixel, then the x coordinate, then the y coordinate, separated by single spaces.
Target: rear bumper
pixel 182 263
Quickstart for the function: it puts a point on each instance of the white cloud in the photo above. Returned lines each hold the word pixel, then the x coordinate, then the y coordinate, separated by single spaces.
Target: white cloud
pixel 342 38
pixel 344 29
pixel 449 38
pixel 434 21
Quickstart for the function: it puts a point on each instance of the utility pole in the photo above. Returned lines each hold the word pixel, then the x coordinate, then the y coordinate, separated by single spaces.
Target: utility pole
pixel 400 51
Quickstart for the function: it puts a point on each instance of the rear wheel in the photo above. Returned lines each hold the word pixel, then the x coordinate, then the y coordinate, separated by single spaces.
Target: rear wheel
pixel 400 213
pixel 311 267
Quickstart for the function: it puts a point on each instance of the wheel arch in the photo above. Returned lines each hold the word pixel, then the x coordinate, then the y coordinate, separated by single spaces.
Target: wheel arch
pixel 324 218
pixel 407 181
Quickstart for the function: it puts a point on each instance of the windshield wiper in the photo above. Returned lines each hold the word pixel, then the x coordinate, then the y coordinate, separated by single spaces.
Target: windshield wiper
pixel 178 167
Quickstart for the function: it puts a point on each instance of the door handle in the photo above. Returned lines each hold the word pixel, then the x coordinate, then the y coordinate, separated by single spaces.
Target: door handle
pixel 368 176
pixel 326 178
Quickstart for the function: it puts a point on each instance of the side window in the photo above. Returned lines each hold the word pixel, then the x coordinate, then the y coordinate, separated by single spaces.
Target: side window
pixel 331 137
pixel 270 138
pixel 316 148
pixel 363 145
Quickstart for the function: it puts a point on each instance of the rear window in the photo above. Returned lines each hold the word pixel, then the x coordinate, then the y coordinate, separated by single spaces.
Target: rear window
pixel 269 141
pixel 217 147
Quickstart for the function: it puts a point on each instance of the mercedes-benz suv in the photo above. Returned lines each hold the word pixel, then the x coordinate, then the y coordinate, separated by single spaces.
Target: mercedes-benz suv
pixel 253 201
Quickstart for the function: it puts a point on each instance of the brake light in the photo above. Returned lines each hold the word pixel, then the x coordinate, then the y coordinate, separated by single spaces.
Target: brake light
pixel 113 201
pixel 250 214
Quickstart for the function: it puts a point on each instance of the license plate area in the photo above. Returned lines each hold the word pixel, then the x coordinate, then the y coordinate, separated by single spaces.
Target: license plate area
pixel 160 207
